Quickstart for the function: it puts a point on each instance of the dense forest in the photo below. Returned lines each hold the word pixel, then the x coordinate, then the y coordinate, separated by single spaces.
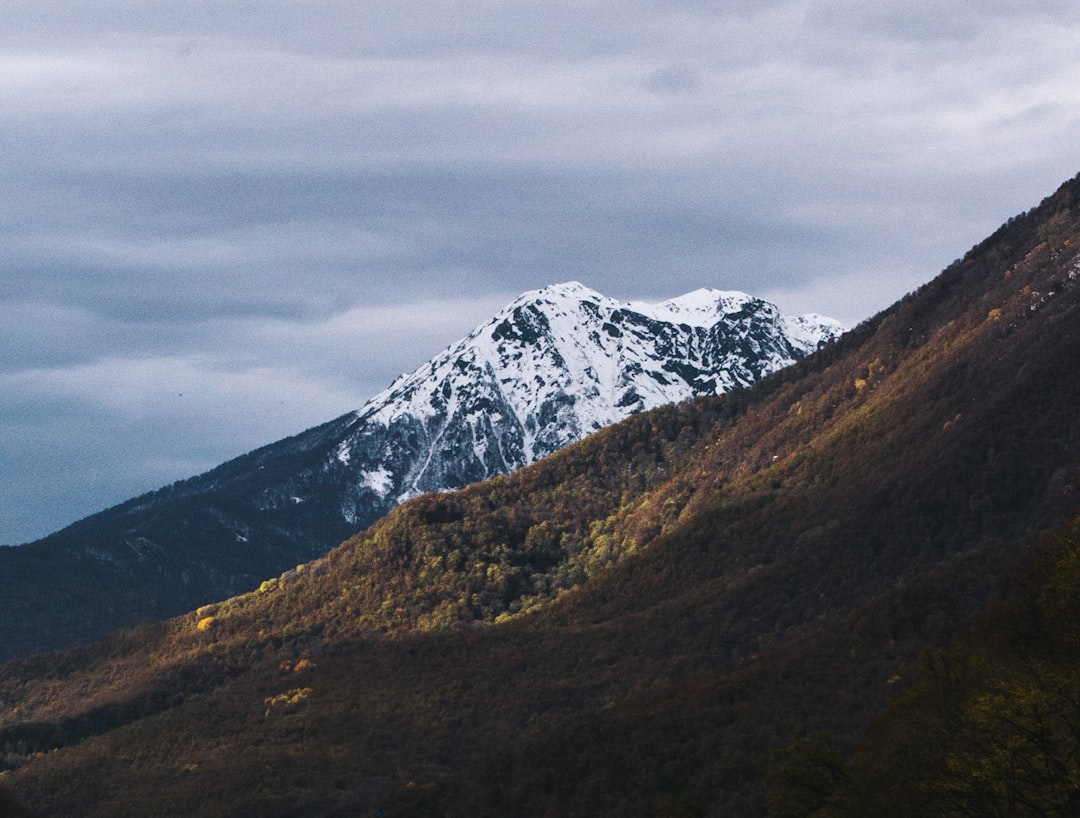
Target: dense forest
pixel 990 727
pixel 661 620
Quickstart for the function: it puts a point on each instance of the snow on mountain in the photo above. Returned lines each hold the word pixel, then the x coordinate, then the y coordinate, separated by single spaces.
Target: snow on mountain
pixel 552 367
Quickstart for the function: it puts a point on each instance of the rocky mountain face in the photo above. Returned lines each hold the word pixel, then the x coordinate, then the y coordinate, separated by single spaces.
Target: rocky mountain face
pixel 554 366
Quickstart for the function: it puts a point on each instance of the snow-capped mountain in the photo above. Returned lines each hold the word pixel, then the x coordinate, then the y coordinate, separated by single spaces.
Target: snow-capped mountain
pixel 552 367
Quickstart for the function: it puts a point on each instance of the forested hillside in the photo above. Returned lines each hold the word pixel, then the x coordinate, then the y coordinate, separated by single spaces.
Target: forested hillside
pixel 634 626
pixel 991 726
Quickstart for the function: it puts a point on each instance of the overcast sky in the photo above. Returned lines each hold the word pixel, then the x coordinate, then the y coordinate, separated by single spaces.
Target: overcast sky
pixel 225 222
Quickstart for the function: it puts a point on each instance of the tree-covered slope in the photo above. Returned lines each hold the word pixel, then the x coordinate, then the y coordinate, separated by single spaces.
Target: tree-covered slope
pixel 990 727
pixel 631 626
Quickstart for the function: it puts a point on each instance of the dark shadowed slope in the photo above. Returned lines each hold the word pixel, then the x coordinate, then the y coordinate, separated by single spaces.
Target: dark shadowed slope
pixel 990 727
pixel 631 626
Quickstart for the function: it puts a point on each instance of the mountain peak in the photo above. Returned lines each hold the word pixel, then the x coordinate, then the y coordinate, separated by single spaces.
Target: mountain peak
pixel 559 363
pixel 564 290
pixel 555 365
pixel 702 307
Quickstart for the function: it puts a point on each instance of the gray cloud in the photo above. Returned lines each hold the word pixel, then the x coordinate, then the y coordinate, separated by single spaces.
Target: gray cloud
pixel 276 208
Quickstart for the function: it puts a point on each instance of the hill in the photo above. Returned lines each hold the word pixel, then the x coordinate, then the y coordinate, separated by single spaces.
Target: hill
pixel 553 366
pixel 631 626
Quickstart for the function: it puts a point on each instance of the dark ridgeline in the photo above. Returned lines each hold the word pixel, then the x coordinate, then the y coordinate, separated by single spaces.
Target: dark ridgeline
pixel 634 625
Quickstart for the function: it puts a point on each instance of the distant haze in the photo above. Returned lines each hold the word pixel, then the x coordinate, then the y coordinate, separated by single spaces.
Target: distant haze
pixel 224 223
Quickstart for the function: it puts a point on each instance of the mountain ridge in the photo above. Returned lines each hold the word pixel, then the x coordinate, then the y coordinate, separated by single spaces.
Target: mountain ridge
pixel 554 365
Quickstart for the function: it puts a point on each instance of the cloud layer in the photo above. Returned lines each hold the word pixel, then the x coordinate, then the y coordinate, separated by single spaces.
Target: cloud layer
pixel 225 222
